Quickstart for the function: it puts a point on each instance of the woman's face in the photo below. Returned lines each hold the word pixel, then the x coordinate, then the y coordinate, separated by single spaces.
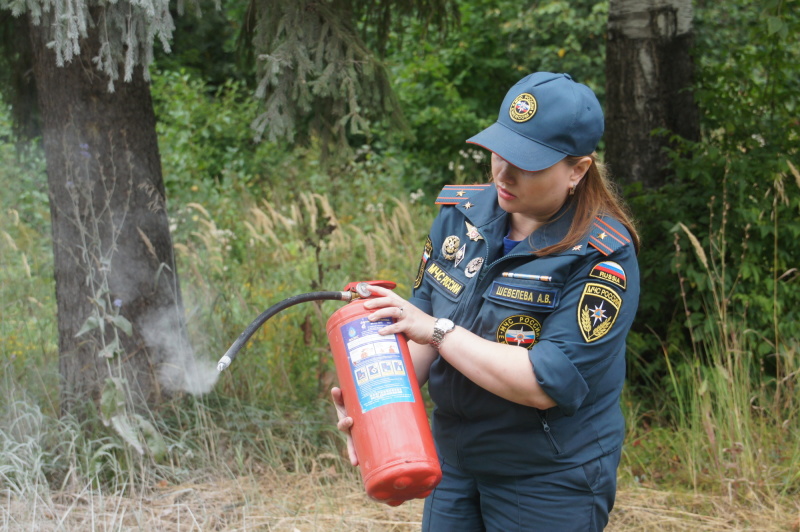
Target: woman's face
pixel 535 195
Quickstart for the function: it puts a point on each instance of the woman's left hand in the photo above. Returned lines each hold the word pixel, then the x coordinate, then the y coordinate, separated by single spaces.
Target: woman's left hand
pixel 414 323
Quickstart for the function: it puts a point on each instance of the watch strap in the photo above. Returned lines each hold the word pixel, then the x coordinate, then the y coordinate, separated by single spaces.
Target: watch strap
pixel 441 327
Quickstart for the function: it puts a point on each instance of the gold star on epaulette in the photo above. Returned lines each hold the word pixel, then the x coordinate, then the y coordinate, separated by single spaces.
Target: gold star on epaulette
pixel 468 205
pixel 602 235
pixel 460 193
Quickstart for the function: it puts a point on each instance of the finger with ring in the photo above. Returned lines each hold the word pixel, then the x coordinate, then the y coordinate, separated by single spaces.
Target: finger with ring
pixel 401 311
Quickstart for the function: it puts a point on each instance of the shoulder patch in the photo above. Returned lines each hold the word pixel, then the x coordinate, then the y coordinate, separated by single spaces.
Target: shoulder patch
pixel 607 235
pixel 610 271
pixel 457 194
pixel 597 310
pixel 426 254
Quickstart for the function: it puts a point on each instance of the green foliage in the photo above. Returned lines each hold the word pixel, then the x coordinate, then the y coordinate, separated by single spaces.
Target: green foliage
pixel 561 36
pixel 452 88
pixel 27 302
pixel 734 191
pixel 316 75
pixel 318 68
pixel 206 44
pixel 204 134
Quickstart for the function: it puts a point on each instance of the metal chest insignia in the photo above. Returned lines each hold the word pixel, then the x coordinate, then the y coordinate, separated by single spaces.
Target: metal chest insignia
pixel 473 267
pixel 460 255
pixel 472 232
pixel 597 311
pixel 450 247
pixel 519 330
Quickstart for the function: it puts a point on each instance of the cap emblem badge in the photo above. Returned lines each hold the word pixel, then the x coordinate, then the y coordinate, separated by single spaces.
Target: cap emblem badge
pixel 522 108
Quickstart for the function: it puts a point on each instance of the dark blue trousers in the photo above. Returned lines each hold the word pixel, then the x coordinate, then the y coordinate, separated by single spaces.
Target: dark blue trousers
pixel 577 499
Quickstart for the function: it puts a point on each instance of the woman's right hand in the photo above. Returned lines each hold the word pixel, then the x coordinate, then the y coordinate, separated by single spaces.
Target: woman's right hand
pixel 345 423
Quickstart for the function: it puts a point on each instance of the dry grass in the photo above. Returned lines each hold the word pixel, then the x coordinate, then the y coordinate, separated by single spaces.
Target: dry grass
pixel 300 503
pixel 647 509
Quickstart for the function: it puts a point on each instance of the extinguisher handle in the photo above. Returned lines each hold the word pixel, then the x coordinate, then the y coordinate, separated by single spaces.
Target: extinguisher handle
pixel 390 285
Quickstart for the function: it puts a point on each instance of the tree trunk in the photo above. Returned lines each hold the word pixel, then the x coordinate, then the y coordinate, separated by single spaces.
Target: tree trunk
pixel 120 313
pixel 649 74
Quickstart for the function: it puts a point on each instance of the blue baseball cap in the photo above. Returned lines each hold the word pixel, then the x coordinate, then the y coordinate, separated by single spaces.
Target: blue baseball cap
pixel 544 118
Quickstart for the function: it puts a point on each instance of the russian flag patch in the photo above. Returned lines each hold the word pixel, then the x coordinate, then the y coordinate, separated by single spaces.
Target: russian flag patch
pixel 611 272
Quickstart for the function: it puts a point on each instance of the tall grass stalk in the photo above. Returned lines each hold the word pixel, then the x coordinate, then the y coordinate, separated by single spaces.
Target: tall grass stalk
pixel 738 422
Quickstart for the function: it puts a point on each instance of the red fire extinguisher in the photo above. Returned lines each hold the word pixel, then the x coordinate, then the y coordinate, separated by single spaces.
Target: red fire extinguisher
pixel 391 433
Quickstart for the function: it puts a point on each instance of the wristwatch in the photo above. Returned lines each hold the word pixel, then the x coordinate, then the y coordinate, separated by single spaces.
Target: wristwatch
pixel 440 328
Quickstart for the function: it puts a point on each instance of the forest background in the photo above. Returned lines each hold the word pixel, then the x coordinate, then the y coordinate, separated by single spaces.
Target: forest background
pixel 711 399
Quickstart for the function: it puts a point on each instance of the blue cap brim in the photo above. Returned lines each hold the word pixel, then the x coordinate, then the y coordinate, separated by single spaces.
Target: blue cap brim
pixel 520 151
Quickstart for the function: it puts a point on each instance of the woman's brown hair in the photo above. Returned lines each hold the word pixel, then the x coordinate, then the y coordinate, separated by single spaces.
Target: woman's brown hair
pixel 594 196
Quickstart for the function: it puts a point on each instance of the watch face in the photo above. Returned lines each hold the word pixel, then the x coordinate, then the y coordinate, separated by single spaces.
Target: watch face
pixel 445 324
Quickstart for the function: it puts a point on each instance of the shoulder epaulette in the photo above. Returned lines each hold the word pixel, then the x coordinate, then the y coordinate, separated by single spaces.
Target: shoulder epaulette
pixel 456 194
pixel 608 235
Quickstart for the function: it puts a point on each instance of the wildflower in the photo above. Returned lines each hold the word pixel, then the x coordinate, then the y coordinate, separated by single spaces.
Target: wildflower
pixel 417 195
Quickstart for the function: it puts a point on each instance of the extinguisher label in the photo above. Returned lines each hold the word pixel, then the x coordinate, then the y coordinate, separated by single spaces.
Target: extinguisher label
pixel 377 364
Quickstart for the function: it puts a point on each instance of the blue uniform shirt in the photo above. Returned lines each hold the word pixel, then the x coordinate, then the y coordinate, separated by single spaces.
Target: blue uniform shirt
pixel 571 310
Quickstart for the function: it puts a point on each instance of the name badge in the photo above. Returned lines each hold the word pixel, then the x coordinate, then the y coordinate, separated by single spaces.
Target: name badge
pixel 526 295
pixel 440 277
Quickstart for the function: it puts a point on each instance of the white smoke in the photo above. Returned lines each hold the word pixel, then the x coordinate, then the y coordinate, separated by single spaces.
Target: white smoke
pixel 181 369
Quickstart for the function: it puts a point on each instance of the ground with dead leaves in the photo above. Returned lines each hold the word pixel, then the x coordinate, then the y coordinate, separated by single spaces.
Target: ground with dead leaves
pixel 302 503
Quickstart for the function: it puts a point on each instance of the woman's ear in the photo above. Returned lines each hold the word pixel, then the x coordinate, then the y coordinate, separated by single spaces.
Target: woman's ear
pixel 579 170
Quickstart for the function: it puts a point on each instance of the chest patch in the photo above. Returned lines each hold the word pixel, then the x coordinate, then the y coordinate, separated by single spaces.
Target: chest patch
pixel 610 271
pixel 526 295
pixel 519 330
pixel 597 311
pixel 439 276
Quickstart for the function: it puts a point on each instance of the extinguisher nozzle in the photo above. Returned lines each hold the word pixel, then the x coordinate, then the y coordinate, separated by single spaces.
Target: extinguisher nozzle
pixel 223 363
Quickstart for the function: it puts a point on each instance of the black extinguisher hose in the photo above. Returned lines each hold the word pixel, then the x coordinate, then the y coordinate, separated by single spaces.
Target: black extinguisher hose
pixel 228 357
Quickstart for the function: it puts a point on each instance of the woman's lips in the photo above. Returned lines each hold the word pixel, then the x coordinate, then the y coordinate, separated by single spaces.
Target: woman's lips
pixel 504 194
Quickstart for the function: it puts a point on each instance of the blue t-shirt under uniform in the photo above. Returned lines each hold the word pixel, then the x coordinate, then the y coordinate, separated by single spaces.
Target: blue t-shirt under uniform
pixel 508 245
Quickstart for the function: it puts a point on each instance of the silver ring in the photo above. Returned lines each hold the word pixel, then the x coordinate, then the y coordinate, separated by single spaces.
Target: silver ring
pixel 401 310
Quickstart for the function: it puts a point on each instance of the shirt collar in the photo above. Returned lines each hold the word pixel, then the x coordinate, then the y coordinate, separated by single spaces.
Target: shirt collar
pixel 482 210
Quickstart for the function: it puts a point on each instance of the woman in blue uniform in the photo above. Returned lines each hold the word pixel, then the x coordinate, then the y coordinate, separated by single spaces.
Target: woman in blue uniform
pixel 524 296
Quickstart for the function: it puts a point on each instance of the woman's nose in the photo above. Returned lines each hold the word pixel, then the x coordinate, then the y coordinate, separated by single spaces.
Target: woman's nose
pixel 503 171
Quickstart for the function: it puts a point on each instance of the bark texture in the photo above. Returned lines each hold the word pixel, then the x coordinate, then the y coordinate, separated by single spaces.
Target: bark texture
pixel 112 247
pixel 649 76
